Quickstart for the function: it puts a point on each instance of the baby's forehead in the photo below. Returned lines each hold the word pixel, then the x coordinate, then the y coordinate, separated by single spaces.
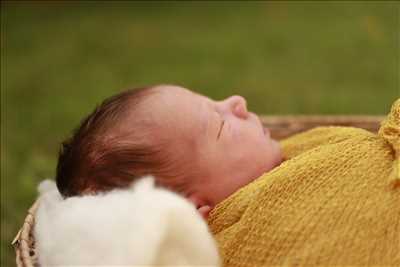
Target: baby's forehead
pixel 177 110
pixel 171 100
pixel 172 109
pixel 179 92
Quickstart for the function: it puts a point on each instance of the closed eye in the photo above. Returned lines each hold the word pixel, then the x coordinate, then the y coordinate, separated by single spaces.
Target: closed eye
pixel 220 129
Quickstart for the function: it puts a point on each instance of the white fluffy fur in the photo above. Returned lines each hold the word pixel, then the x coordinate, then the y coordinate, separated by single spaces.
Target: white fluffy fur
pixel 142 225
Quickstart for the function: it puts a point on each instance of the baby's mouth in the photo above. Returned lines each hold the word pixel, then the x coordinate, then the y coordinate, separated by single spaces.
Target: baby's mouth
pixel 266 132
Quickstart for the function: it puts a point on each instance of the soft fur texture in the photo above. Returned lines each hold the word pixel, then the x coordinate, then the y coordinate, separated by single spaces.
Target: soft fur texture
pixel 143 225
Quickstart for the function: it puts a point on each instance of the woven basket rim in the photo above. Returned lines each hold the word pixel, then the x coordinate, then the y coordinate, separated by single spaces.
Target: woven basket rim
pixel 22 240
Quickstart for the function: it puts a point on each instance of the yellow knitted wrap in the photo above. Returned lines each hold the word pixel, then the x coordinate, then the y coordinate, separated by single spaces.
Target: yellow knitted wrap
pixel 334 201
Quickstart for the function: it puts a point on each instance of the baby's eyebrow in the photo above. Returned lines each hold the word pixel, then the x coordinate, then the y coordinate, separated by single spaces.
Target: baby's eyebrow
pixel 206 122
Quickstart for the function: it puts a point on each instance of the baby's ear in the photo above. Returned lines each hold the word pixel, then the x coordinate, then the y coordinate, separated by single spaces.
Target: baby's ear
pixel 200 205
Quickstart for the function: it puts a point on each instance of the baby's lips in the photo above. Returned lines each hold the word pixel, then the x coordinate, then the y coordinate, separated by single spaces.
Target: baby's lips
pixel 267 132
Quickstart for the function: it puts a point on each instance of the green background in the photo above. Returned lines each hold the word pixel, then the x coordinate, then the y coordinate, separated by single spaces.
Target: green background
pixel 60 59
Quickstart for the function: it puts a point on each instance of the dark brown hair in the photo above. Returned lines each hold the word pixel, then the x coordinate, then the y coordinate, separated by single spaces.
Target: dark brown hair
pixel 99 158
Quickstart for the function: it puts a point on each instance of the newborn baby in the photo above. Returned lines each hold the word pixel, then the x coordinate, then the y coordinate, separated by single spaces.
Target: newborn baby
pixel 201 148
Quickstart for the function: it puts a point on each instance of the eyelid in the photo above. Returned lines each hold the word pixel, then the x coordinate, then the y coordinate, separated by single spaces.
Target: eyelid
pixel 220 129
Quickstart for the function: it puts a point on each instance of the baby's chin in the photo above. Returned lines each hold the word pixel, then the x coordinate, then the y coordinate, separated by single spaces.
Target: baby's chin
pixel 276 151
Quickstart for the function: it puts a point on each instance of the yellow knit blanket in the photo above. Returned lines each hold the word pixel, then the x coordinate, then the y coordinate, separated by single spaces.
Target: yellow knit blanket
pixel 334 201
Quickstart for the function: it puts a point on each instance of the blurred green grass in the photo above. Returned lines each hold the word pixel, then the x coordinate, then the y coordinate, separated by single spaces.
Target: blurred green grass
pixel 59 59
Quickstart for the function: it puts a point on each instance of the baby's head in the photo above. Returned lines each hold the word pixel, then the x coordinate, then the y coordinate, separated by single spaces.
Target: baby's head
pixel 201 148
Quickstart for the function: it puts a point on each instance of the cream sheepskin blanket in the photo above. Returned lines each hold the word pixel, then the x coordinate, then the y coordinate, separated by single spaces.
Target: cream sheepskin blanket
pixel 143 225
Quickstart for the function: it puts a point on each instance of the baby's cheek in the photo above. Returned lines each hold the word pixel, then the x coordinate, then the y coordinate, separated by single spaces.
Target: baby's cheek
pixel 233 135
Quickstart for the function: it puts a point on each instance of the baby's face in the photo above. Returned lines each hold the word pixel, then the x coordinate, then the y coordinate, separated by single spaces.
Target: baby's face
pixel 222 145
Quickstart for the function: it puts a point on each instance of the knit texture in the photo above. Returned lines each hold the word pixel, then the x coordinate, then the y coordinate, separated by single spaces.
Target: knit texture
pixel 334 201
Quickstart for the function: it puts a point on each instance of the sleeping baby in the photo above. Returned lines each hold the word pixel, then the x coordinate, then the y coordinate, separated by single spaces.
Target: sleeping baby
pixel 203 149
pixel 332 202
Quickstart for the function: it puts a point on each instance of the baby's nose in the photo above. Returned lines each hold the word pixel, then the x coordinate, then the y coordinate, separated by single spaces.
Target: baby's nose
pixel 238 105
